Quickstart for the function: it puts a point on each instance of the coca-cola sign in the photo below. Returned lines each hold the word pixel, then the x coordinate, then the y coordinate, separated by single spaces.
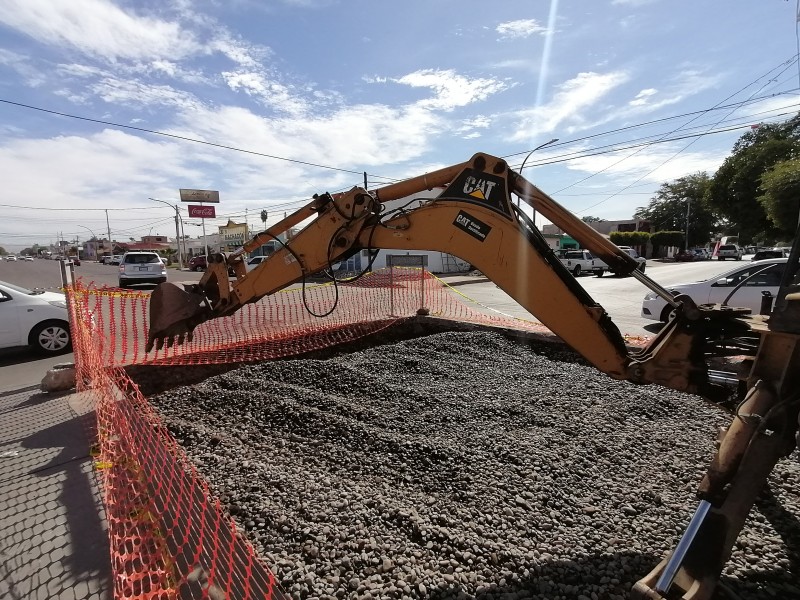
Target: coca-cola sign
pixel 202 212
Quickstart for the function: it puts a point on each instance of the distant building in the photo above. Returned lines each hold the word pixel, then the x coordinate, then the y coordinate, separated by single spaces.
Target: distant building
pixel 607 227
pixel 604 228
pixel 233 236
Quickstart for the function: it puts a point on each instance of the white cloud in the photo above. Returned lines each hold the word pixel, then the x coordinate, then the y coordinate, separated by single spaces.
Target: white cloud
pixel 569 106
pixel 139 95
pixel 98 28
pixel 685 84
pixel 643 97
pixel 245 55
pixel 80 70
pixel 21 64
pixel 521 28
pixel 374 134
pixel 270 93
pixel 110 168
pixel 452 90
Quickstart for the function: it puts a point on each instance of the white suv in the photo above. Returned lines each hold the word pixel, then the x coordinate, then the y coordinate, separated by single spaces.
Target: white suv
pixel 141 267
pixel 729 251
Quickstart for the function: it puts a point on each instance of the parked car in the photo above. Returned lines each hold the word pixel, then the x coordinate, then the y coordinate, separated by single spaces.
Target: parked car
pixel 641 261
pixel 141 267
pixel 686 256
pixel 772 253
pixel 254 261
pixel 701 254
pixel 766 276
pixel 198 263
pixel 729 251
pixel 33 318
pixel 115 259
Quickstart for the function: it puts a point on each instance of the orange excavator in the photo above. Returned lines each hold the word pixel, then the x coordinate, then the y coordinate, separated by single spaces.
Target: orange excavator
pixel 475 219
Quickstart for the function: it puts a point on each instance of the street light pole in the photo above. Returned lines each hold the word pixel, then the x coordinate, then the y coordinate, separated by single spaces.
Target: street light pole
pixel 177 229
pixel 553 141
pixel 95 239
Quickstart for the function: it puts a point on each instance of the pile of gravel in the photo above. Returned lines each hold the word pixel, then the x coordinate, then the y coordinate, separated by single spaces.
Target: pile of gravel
pixel 467 465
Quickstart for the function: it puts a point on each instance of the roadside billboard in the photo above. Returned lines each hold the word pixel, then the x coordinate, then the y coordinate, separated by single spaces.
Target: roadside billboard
pixel 202 212
pixel 199 195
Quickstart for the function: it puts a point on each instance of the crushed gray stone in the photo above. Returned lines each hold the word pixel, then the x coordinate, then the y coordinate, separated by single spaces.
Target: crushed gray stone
pixel 468 465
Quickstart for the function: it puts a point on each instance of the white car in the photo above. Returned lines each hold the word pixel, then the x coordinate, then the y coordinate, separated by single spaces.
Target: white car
pixel 28 257
pixel 11 257
pixel 254 261
pixel 766 276
pixel 141 267
pixel 729 251
pixel 33 318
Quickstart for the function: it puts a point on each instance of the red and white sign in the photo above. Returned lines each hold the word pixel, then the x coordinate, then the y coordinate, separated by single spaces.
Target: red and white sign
pixel 201 212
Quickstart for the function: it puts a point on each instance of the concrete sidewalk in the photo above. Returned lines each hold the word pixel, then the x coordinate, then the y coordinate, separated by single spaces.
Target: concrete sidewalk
pixel 53 539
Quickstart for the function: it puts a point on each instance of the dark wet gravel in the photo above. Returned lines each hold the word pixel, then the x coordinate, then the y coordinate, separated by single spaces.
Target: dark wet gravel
pixel 466 465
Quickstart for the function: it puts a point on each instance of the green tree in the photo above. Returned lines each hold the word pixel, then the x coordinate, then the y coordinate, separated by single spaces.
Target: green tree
pixel 781 195
pixel 3 251
pixel 734 190
pixel 667 210
pixel 591 219
pixel 666 239
pixel 629 238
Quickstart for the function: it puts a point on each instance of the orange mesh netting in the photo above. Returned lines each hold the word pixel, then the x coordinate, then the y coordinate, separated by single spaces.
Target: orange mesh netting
pixel 170 538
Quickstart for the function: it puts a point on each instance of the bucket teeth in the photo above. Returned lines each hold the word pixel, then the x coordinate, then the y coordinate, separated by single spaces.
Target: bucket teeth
pixel 174 313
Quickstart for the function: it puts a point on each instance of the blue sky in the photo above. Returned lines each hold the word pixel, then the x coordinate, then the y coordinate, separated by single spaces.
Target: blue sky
pixel 395 89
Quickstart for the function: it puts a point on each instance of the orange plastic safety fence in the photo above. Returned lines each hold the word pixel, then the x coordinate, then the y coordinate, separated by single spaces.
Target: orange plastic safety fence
pixel 293 321
pixel 170 538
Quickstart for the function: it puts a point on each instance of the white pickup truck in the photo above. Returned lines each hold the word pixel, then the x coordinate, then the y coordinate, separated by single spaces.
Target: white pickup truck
pixel 582 261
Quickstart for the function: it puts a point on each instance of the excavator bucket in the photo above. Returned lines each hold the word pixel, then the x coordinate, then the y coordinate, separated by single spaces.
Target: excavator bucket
pixel 174 313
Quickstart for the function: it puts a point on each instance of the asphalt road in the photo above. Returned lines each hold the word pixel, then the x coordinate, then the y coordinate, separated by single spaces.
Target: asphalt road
pixel 621 297
pixel 21 367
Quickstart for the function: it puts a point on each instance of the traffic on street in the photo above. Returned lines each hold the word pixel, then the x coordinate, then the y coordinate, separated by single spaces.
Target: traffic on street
pixel 622 297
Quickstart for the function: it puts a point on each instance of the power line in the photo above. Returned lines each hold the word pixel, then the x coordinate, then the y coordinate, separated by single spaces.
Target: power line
pixel 339 169
pixel 176 137
pixel 786 64
pixel 662 120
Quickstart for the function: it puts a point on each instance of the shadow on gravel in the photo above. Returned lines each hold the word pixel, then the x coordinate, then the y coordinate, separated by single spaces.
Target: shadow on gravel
pixel 786 524
pixel 613 574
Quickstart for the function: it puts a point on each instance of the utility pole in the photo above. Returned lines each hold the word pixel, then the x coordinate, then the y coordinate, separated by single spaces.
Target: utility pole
pixel 108 227
pixel 183 240
pixel 688 208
